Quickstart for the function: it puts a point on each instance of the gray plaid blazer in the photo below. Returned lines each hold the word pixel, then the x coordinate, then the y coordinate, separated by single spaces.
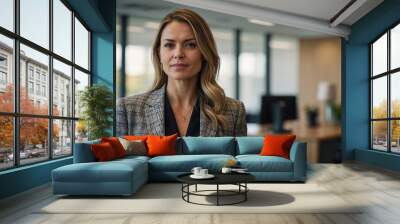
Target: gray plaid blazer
pixel 143 114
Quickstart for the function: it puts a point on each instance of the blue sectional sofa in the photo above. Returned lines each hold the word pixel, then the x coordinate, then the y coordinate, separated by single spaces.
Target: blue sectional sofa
pixel 125 176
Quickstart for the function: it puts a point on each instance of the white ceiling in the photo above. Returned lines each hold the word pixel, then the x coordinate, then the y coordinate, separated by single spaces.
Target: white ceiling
pixel 298 18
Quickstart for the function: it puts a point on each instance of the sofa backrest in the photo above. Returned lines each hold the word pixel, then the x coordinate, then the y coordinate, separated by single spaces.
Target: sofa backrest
pixel 206 145
pixel 83 153
pixel 249 145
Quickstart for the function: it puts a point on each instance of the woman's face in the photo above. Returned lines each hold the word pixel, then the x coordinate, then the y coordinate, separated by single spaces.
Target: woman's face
pixel 179 53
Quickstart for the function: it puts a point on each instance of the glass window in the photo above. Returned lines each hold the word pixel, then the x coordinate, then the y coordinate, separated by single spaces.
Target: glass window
pixel 379 135
pixel 81 45
pixel 62 138
pixel 139 66
pixel 34 21
pixel 284 79
pixel 252 71
pixel 6 73
pixel 7 14
pixel 395 136
pixel 33 140
pixel 379 56
pixel 6 142
pixel 40 62
pixel 382 138
pixel 62 29
pixel 81 131
pixel 81 81
pixel 62 72
pixel 224 40
pixel 379 98
pixel 395 95
pixel 31 88
pixel 395 47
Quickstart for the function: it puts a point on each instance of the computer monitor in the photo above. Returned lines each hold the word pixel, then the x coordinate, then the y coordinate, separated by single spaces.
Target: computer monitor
pixel 276 109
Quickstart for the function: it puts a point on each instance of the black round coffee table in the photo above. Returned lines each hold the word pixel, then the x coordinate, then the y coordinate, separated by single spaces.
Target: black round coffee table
pixel 238 179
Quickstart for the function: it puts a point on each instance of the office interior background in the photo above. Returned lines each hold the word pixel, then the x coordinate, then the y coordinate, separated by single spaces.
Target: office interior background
pixel 47 58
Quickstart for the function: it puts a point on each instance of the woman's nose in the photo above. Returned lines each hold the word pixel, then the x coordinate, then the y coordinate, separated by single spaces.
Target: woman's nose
pixel 178 53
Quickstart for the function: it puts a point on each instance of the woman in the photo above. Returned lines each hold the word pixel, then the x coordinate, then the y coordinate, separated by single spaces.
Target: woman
pixel 185 97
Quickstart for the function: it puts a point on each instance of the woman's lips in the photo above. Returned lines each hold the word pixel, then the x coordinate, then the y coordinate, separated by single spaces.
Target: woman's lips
pixel 179 66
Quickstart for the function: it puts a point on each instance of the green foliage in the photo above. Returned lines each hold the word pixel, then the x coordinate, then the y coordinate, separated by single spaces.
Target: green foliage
pixel 96 102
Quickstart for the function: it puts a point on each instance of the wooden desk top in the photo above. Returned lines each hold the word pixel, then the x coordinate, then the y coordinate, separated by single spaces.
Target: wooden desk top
pixel 302 132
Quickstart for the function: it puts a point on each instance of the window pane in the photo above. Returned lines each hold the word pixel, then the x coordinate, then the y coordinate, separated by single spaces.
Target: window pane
pixel 81 81
pixel 35 21
pixel 33 139
pixel 6 142
pixel 62 141
pixel 395 94
pixel 395 47
pixel 62 89
pixel 225 44
pixel 284 65
pixel 6 74
pixel 34 97
pixel 252 71
pixel 81 45
pixel 7 14
pixel 139 66
pixel 379 135
pixel 379 98
pixel 81 131
pixel 395 136
pixel 379 55
pixel 62 29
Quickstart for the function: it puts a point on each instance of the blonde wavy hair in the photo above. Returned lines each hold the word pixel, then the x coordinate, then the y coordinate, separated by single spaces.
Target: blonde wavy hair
pixel 213 102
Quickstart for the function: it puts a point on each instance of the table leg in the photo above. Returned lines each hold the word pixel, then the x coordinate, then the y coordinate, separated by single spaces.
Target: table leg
pixel 217 194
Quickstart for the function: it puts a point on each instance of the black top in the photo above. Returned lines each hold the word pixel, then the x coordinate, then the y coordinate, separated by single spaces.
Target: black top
pixel 220 178
pixel 170 123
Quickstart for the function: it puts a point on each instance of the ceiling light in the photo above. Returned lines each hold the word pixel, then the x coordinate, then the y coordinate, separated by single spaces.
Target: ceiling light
pixel 260 22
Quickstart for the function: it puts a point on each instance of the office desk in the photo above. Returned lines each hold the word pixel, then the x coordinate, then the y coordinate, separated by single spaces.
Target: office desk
pixel 320 139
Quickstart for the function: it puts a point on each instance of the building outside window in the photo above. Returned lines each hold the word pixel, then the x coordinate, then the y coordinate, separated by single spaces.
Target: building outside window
pixel 34 79
pixel 385 92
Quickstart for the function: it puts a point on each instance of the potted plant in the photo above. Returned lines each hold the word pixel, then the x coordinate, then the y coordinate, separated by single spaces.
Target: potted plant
pixel 96 102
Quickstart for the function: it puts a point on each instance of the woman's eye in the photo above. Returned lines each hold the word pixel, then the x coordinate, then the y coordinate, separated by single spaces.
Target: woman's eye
pixel 168 45
pixel 191 45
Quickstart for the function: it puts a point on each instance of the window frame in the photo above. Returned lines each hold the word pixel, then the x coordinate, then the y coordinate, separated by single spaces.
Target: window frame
pixel 388 74
pixel 16 115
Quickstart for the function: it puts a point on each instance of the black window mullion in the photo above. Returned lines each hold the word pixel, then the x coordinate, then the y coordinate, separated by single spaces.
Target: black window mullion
pixel 371 137
pixel 50 81
pixel 389 113
pixel 16 84
pixel 73 82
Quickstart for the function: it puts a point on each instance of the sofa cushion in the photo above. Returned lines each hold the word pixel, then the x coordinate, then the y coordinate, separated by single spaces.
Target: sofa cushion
pixel 161 145
pixel 103 151
pixel 257 163
pixel 185 163
pixel 249 145
pixel 134 147
pixel 277 145
pixel 116 145
pixel 112 171
pixel 206 145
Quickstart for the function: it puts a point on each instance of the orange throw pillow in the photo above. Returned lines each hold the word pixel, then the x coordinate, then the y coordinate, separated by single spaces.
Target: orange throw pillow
pixel 116 145
pixel 136 137
pixel 103 151
pixel 161 145
pixel 277 145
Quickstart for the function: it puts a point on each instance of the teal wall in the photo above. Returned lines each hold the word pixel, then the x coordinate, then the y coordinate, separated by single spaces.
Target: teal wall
pixel 99 15
pixel 355 86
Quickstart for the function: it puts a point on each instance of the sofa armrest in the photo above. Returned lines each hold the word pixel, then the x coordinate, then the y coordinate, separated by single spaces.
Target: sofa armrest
pixel 83 152
pixel 298 155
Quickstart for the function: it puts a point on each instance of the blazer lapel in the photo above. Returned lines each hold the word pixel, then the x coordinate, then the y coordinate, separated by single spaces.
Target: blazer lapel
pixel 154 112
pixel 206 128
